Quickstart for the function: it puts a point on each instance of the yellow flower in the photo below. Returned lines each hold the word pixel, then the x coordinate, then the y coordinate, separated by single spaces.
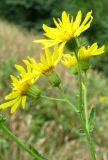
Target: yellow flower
pixel 69 60
pixel 48 62
pixel 102 99
pixel 84 53
pixel 66 29
pixel 20 86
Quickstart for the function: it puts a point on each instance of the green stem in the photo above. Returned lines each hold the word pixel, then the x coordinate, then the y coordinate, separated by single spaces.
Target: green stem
pixel 81 91
pixel 53 98
pixel 80 84
pixel 33 153
pixel 61 100
pixel 79 75
pixel 89 139
pixel 85 99
pixel 85 126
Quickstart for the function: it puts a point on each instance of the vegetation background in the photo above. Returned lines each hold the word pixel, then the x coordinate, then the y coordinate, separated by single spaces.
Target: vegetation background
pixel 52 128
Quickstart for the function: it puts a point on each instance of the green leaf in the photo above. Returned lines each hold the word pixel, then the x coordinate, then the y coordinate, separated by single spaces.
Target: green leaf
pixel 81 132
pixel 91 116
pixel 40 157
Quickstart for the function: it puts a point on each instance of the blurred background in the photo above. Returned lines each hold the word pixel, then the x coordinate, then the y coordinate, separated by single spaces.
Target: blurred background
pixel 52 128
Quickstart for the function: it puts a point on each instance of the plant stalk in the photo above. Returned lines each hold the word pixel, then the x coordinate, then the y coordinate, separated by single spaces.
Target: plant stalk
pixel 85 100
pixel 89 139
pixel 84 122
pixel 61 100
pixel 31 151
pixel 83 106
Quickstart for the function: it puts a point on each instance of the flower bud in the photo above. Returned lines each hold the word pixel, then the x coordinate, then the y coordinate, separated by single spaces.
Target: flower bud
pixel 53 79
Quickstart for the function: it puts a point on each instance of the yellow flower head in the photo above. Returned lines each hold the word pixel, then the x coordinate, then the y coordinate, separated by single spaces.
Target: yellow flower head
pixel 20 86
pixel 102 99
pixel 69 60
pixel 84 53
pixel 47 62
pixel 66 29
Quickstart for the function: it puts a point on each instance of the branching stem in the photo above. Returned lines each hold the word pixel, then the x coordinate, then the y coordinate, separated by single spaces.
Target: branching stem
pixel 61 100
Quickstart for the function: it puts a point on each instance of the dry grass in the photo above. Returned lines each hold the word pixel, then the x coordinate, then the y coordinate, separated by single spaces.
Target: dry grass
pixel 16 42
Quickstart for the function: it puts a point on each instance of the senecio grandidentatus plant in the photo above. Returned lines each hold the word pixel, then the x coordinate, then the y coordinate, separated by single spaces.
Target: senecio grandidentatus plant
pixel 68 50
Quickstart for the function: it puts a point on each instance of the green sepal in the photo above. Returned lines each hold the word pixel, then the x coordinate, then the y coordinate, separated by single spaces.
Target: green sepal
pixel 73 44
pixel 53 79
pixel 33 92
pixel 84 65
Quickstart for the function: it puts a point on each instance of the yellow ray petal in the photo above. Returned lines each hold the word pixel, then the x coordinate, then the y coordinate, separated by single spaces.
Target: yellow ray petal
pixel 29 66
pixel 23 101
pixel 78 19
pixel 87 18
pixel 48 43
pixel 99 51
pixel 55 55
pixel 11 95
pixel 20 69
pixel 61 47
pixel 48 56
pixel 64 17
pixel 42 59
pixel 58 54
pixel 86 26
pixel 50 32
pixel 32 60
pixel 8 104
pixel 69 60
pixel 47 29
pixel 56 23
pixel 15 106
pixel 14 79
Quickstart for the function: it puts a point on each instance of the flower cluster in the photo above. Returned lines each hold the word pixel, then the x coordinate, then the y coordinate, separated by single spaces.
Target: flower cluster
pixel 66 32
